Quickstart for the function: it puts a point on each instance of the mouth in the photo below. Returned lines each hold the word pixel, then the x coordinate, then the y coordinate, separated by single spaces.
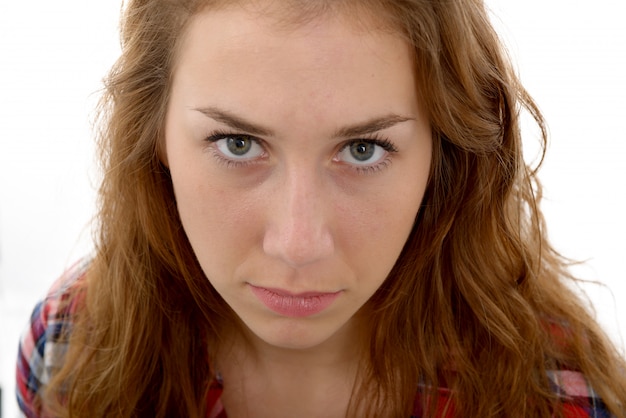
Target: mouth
pixel 293 305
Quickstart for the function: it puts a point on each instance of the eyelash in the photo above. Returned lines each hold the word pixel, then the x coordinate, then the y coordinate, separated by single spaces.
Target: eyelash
pixel 229 163
pixel 375 139
pixel 381 141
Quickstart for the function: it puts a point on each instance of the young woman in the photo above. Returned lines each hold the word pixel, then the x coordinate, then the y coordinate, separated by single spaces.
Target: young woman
pixel 317 209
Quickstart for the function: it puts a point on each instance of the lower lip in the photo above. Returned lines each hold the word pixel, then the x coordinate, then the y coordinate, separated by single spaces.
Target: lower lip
pixel 295 306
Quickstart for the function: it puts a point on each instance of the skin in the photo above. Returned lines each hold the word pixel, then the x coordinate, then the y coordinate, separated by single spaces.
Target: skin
pixel 297 210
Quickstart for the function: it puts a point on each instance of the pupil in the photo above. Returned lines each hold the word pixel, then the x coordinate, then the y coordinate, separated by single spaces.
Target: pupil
pixel 239 145
pixel 362 151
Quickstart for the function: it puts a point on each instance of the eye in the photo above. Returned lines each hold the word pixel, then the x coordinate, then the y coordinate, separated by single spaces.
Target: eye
pixel 365 152
pixel 237 146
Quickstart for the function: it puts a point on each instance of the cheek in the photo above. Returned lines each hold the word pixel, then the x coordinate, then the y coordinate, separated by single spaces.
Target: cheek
pixel 219 222
pixel 374 234
pixel 213 217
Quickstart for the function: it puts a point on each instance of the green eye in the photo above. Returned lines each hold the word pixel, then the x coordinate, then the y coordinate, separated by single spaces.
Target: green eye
pixel 239 147
pixel 362 151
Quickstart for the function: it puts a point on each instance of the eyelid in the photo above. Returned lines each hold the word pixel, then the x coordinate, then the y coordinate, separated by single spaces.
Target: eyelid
pixel 376 139
pixel 217 135
pixel 230 161
pixel 377 165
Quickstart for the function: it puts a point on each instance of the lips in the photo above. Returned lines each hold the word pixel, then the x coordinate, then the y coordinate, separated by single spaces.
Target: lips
pixel 294 305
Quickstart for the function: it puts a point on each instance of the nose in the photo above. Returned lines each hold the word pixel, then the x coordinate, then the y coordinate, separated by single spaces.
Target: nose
pixel 298 231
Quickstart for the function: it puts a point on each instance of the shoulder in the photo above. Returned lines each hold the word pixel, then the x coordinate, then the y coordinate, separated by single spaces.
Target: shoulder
pixel 572 387
pixel 578 397
pixel 44 341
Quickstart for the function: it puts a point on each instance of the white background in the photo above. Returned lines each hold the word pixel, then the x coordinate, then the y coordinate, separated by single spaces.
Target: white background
pixel 571 57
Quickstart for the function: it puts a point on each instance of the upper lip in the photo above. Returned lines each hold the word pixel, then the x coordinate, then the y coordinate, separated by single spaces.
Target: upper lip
pixel 283 292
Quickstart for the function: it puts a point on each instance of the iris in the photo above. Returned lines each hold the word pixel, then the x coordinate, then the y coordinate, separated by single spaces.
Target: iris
pixel 362 151
pixel 239 145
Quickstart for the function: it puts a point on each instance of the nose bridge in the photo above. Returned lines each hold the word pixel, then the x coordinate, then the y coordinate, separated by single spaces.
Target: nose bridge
pixel 298 231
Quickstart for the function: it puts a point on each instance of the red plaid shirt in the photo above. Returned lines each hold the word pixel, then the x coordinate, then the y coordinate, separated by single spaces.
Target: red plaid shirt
pixel 42 351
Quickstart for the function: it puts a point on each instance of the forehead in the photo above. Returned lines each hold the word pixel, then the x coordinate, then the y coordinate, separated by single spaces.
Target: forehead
pixel 243 58
pixel 288 18
pixel 255 29
pixel 289 14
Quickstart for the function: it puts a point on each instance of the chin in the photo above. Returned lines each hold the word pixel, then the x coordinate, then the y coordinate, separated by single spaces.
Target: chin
pixel 296 334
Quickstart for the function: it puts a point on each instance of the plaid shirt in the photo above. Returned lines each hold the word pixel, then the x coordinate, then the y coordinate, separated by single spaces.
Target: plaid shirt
pixel 42 351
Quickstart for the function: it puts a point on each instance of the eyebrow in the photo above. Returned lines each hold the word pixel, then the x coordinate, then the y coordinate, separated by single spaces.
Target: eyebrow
pixel 352 131
pixel 234 121
pixel 371 126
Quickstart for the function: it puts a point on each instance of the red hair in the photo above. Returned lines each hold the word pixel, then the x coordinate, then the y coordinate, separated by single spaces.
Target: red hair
pixel 474 298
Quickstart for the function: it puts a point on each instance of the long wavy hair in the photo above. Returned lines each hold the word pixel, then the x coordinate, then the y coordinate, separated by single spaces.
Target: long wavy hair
pixel 478 300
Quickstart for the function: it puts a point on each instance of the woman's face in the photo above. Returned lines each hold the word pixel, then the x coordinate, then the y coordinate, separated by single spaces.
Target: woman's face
pixel 299 158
